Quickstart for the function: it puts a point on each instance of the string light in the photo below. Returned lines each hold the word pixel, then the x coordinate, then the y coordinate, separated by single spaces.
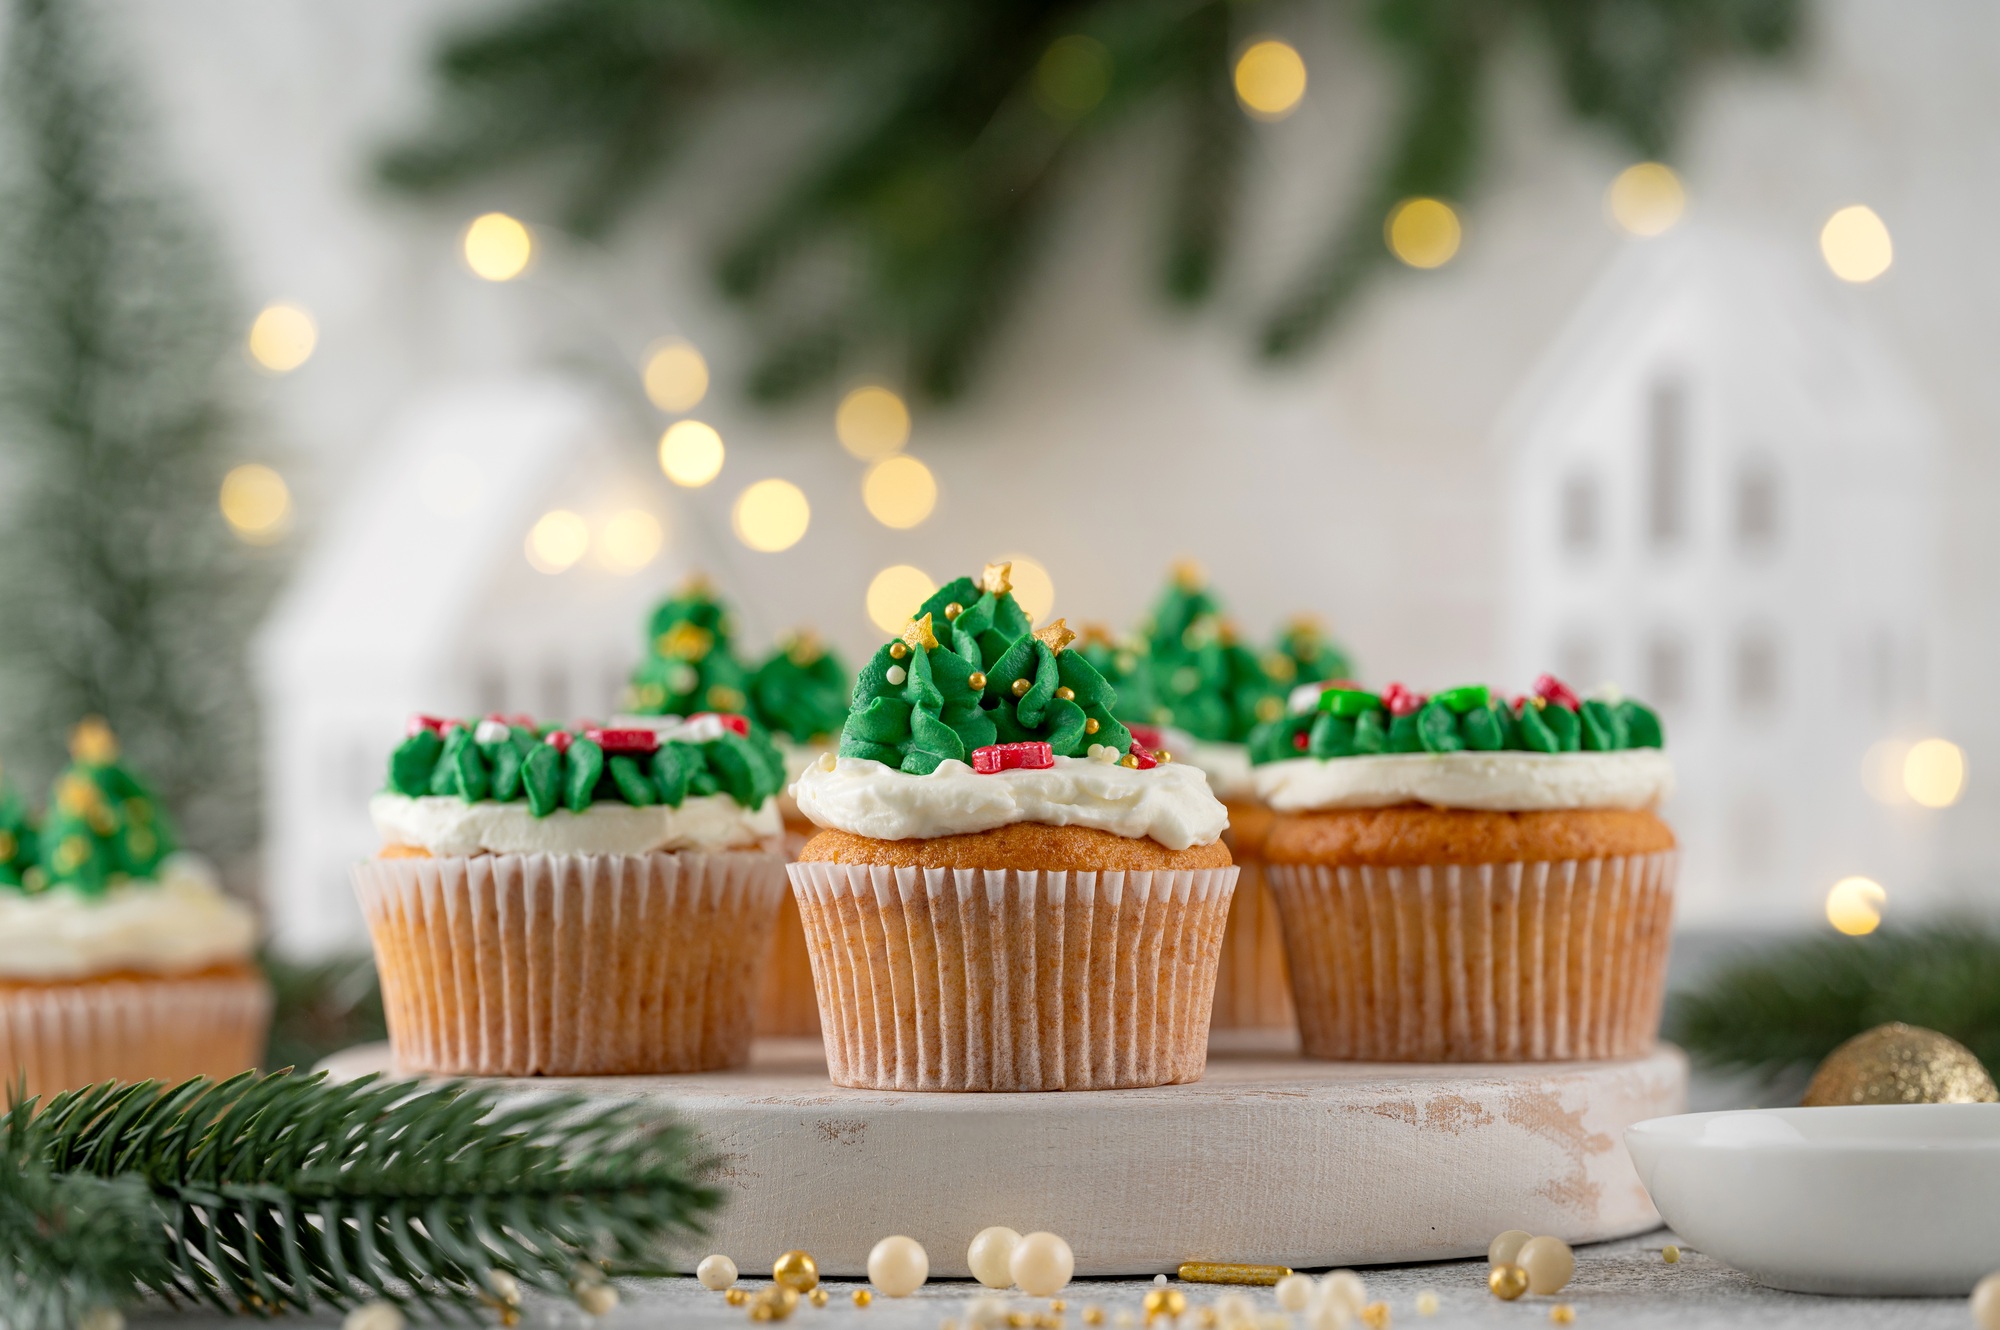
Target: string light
pixel 629 541
pixel 1270 79
pixel 1855 243
pixel 899 491
pixel 895 593
pixel 497 247
pixel 1854 906
pixel 771 515
pixel 872 422
pixel 1423 232
pixel 282 338
pixel 1646 199
pixel 256 503
pixel 557 540
pixel 1034 589
pixel 676 376
pixel 691 453
pixel 1934 772
pixel 1072 76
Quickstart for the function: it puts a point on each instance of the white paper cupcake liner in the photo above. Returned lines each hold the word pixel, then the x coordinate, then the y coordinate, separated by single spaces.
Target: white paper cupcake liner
pixel 63 1035
pixel 1505 962
pixel 998 979
pixel 571 965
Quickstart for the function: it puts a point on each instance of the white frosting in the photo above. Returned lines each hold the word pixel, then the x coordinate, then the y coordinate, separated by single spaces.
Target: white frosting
pixel 180 923
pixel 1170 803
pixel 1502 782
pixel 449 827
pixel 1227 765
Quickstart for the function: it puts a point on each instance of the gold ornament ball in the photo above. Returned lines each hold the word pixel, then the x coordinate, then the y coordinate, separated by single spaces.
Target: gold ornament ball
pixel 1508 1282
pixel 1167 1302
pixel 1507 1246
pixel 796 1270
pixel 1549 1262
pixel 898 650
pixel 1900 1064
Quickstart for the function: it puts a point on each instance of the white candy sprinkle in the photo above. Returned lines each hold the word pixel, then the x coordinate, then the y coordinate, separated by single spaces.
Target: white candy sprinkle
pixel 896 674
pixel 490 731
pixel 1104 753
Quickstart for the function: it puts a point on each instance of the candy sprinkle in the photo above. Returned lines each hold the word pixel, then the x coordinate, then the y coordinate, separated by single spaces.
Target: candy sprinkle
pixel 1224 1272
pixel 1671 1255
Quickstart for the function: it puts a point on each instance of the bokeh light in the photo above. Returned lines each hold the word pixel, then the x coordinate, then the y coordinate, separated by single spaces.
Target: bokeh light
pixel 894 595
pixel 1854 906
pixel 1072 76
pixel 256 503
pixel 676 376
pixel 899 491
pixel 872 422
pixel 1270 79
pixel 1856 244
pixel 1646 199
pixel 771 515
pixel 691 453
pixel 1423 232
pixel 449 484
pixel 282 338
pixel 497 247
pixel 1034 589
pixel 557 541
pixel 1934 772
pixel 629 541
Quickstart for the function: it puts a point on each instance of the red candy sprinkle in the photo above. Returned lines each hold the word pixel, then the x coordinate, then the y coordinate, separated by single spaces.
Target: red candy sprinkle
pixel 624 741
pixel 740 724
pixel 1147 735
pixel 1553 690
pixel 1400 701
pixel 1142 758
pixel 1030 756
pixel 560 740
pixel 421 722
pixel 1299 741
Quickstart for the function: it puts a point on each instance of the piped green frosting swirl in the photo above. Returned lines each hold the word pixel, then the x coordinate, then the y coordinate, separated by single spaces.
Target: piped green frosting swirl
pixel 17 840
pixel 1354 723
pixel 801 692
pixel 690 665
pixel 1208 683
pixel 104 826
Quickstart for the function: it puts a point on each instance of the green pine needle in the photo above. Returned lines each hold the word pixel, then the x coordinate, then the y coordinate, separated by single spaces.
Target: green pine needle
pixel 72 1245
pixel 286 1193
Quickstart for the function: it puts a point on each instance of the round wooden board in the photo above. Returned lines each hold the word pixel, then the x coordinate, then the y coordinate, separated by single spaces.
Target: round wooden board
pixel 1270 1158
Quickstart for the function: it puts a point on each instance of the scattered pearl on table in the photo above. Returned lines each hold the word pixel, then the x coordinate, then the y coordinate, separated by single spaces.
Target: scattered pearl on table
pixel 1329 1316
pixel 1562 1314
pixel 1234 1309
pixel 1167 1303
pixel 736 1297
pixel 984 1312
pixel 1986 1303
pixel 1508 1282
pixel 862 1297
pixel 1042 1264
pixel 1507 1247
pixel 716 1272
pixel 1343 1288
pixel 1376 1316
pixel 898 1266
pixel 1093 1316
pixel 775 1303
pixel 597 1299
pixel 1427 1303
pixel 1294 1292
pixel 1670 1254
pixel 991 1256
pixel 373 1316
pixel 796 1270
pixel 817 1297
pixel 1549 1262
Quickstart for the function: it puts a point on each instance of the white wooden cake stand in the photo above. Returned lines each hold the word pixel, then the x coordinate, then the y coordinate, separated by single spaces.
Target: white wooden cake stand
pixel 1270 1158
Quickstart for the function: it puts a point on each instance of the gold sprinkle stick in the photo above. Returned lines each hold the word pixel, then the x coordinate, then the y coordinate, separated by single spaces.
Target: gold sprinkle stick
pixel 1228 1272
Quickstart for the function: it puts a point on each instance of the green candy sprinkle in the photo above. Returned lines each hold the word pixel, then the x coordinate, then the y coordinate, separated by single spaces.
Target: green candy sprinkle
pixel 1348 702
pixel 1462 700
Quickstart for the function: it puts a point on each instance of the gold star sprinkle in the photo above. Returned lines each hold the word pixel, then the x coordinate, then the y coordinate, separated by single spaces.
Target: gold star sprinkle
pixel 919 634
pixel 996 579
pixel 1056 636
pixel 685 641
pixel 1188 575
pixel 92 741
pixel 804 649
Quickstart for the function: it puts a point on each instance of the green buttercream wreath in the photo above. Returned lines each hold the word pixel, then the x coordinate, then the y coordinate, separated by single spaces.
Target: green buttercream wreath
pixel 1354 723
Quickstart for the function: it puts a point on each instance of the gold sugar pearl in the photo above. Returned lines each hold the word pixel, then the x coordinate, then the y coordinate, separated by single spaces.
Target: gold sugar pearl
pixel 796 1270
pixel 1562 1314
pixel 817 1297
pixel 735 1297
pixel 1376 1316
pixel 953 610
pixel 1090 725
pixel 1066 693
pixel 1021 687
pixel 1093 1316
pixel 898 650
pixel 1671 1255
pixel 1058 1305
pixel 977 680
pixel 1163 757
pixel 1164 1302
pixel 862 1297
pixel 1129 760
pixel 1508 1282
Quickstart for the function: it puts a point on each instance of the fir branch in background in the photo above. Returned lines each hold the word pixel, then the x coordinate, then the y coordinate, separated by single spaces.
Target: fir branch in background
pixel 285 1193
pixel 122 592
pixel 72 1248
pixel 321 1007
pixel 947 130
pixel 1780 1009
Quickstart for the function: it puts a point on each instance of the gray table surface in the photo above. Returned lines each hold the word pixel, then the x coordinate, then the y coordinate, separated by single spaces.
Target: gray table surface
pixel 1618 1285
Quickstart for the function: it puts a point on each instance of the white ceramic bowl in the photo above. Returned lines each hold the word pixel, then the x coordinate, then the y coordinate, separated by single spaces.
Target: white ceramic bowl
pixel 1872 1199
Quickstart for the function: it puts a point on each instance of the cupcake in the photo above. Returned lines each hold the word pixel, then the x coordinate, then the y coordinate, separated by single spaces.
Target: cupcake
pixel 120 956
pixel 1465 880
pixel 1009 894
pixel 574 902
pixel 799 696
pixel 690 665
pixel 1212 691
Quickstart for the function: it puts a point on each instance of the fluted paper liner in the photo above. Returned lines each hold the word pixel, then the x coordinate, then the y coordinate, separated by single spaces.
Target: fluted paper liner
pixel 64 1035
pixel 1504 962
pixel 998 979
pixel 571 965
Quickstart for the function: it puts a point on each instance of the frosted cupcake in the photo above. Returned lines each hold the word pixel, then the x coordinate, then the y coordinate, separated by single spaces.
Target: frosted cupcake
pixel 120 957
pixel 1009 893
pixel 574 902
pixel 1465 880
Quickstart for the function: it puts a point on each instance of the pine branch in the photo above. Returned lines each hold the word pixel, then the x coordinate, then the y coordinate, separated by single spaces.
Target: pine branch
pixel 70 1245
pixel 285 1193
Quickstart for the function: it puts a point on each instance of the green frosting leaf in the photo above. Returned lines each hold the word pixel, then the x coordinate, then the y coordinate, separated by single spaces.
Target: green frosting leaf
pixel 410 766
pixel 801 691
pixel 1351 722
pixel 1126 665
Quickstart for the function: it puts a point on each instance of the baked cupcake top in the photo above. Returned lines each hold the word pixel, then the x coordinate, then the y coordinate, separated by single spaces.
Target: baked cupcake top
pixel 1466 747
pixel 691 665
pixel 507 786
pixel 974 720
pixel 101 888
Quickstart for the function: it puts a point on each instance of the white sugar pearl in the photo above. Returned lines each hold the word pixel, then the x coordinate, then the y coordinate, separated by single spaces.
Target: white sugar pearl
pixel 504 1286
pixel 1294 1292
pixel 1549 1263
pixel 898 1266
pixel 1427 1303
pixel 985 1312
pixel 896 674
pixel 374 1316
pixel 827 761
pixel 597 1299
pixel 1159 1281
pixel 716 1272
pixel 991 1256
pixel 1328 1314
pixel 1344 1289
pixel 1233 1309
pixel 102 1318
pixel 1042 1263
pixel 1986 1303
pixel 1506 1249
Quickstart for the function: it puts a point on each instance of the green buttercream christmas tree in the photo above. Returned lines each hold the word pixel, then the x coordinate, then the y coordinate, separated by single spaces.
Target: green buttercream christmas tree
pixel 801 692
pixel 1208 683
pixel 104 827
pixel 17 839
pixel 1305 653
pixel 690 666
pixel 1126 666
